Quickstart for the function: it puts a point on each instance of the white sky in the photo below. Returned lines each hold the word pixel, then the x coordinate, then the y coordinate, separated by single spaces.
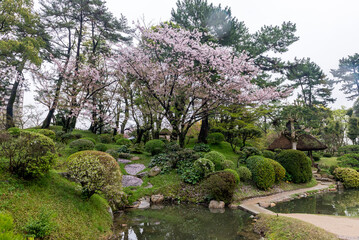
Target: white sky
pixel 328 29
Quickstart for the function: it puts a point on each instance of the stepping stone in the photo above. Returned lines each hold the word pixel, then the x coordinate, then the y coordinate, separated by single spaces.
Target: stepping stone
pixel 133 169
pixel 131 181
pixel 135 158
pixel 149 185
pixel 125 161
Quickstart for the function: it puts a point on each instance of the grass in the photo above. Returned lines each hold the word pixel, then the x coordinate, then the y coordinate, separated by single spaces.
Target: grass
pixel 74 218
pixel 284 228
pixel 328 161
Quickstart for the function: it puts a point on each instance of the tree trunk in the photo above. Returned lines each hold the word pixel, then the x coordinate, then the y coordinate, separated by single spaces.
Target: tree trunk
pixel 10 106
pixel 182 138
pixel 203 134
pixel 127 116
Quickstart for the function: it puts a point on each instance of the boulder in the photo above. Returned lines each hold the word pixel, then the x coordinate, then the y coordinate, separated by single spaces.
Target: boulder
pixel 157 199
pixel 154 171
pixel 142 174
pixel 144 203
pixel 233 206
pixel 216 205
pixel 264 204
pixel 272 204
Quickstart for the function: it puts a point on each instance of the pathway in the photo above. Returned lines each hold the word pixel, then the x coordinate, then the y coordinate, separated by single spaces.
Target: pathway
pixel 131 180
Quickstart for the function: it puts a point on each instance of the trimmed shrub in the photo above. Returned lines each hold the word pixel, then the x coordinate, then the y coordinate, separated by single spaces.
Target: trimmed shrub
pixel 348 149
pixel 201 147
pixel 154 146
pixel 228 164
pixel 124 141
pixel 316 157
pixel 125 155
pixel 113 153
pixel 137 148
pixel 268 154
pixel 348 176
pixel 217 158
pixel 90 139
pixel 172 147
pixel 184 159
pixel 220 186
pixel 81 145
pixel 106 138
pixel 117 137
pixel 97 172
pixel 14 131
pixel 297 164
pixel 162 160
pixel 251 151
pixel 123 149
pixel 327 155
pixel 332 168
pixel 279 170
pixel 215 138
pixel 47 132
pixel 262 170
pixel 101 147
pixel 66 137
pixel 203 166
pixel 350 160
pixel 191 175
pixel 245 174
pixel 236 175
pixel 31 155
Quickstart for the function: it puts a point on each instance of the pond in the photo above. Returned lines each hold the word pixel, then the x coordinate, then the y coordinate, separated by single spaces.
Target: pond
pixel 345 203
pixel 183 222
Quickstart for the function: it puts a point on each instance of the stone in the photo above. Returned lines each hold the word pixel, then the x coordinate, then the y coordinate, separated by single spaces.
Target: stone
pixel 157 199
pixel 149 185
pixel 264 204
pixel 213 204
pixel 133 169
pixel 131 181
pixel 233 206
pixel 157 207
pixel 135 204
pixel 109 210
pixel 144 203
pixel 142 174
pixel 135 158
pixel 125 161
pixel 272 204
pixel 154 171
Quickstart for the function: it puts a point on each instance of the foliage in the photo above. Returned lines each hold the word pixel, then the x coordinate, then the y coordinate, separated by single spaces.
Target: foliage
pixel 221 186
pixel 124 141
pixel 106 138
pixel 164 161
pixel 217 158
pixel 97 171
pixel 90 139
pixel 348 149
pixel 296 164
pixel 7 228
pixel 278 170
pixel 101 147
pixel 316 156
pixel 353 129
pixel 235 174
pixel 269 154
pixel 154 146
pixel 123 149
pixel 113 153
pixel 47 132
pixel 172 147
pixel 125 155
pixel 348 176
pixel 215 138
pixel 203 166
pixel 332 168
pixel 117 137
pixel 81 145
pixel 201 147
pixel 137 148
pixel 191 175
pixel 41 226
pixel 31 155
pixel 185 159
pixel 228 164
pixel 244 174
pixel 262 170
pixel 14 131
pixel 350 160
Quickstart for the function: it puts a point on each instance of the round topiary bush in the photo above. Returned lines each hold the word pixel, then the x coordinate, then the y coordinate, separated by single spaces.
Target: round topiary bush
pixel 262 172
pixel 228 164
pixel 81 145
pixel 97 172
pixel 101 147
pixel 244 173
pixel 220 186
pixel 47 132
pixel 117 137
pixel 215 138
pixel 279 170
pixel 201 147
pixel 268 154
pixel 155 146
pixel 348 176
pixel 217 158
pixel 113 153
pixel 90 139
pixel 297 164
pixel 106 138
pixel 124 141
pixel 203 166
pixel 234 173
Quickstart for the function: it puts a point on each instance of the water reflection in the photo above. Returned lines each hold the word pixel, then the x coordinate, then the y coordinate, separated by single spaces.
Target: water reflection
pixel 334 203
pixel 183 222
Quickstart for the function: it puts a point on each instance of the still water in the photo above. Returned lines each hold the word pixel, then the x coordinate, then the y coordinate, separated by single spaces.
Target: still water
pixel 183 222
pixel 344 203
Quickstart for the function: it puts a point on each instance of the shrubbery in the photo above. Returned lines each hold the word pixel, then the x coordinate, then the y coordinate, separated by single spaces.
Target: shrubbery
pixel 262 170
pixel 41 226
pixel 279 170
pixel 327 155
pixel 90 139
pixel 106 138
pixel 228 164
pixel 244 173
pixel 268 154
pixel 348 176
pixel 113 153
pixel 48 133
pixel 81 145
pixel 117 137
pixel 235 174
pixel 97 171
pixel 137 148
pixel 123 149
pixel 350 160
pixel 297 165
pixel 348 149
pixel 163 160
pixel 203 166
pixel 101 147
pixel 124 141
pixel 217 158
pixel 221 186
pixel 201 147
pixel 7 228
pixel 154 146
pixel 125 155
pixel 215 138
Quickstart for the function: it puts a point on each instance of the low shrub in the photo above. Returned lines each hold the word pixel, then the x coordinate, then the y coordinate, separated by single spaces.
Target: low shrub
pixel 101 147
pixel 97 172
pixel 279 170
pixel 117 137
pixel 113 153
pixel 245 174
pixel 124 141
pixel 316 157
pixel 106 138
pixel 14 131
pixel 220 186
pixel 185 159
pixel 7 228
pixel 332 168
pixel 235 174
pixel 47 132
pixel 201 147
pixel 350 160
pixel 123 149
pixel 124 155
pixel 77 135
pixel 262 170
pixel 297 164
pixel 268 154
pixel 172 147
pixel 228 164
pixel 203 166
pixel 90 139
pixel 81 145
pixel 154 146
pixel 215 138
pixel 327 155
pixel 217 158
pixel 251 151
pixel 190 175
pixel 137 148
pixel 66 137
pixel 348 176
pixel 41 226
pixel 164 161
pixel 348 149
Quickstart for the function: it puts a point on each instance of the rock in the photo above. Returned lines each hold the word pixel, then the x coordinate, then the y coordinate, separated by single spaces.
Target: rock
pixel 135 158
pixel 142 174
pixel 216 205
pixel 154 171
pixel 149 185
pixel 125 161
pixel 272 204
pixel 233 206
pixel 332 189
pixel 133 169
pixel 109 210
pixel 135 204
pixel 131 181
pixel 157 207
pixel 264 204
pixel 144 203
pixel 156 199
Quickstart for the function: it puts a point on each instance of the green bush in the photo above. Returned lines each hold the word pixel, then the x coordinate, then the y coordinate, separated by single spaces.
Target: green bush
pixel 7 228
pixel 101 147
pixel 90 139
pixel 251 151
pixel 235 174
pixel 348 149
pixel 41 226
pixel 262 170
pixel 124 155
pixel 124 141
pixel 350 160
pixel 316 157
pixel 113 153
pixel 123 149
pixel 203 166
pixel 217 158
pixel 47 132
pixel 97 172
pixel 81 145
pixel 279 170
pixel 14 131
pixel 184 159
pixel 172 147
pixel 154 146
pixel 201 147
pixel 190 175
pixel 348 176
pixel 30 155
pixel 297 164
pixel 244 173
pixel 137 148
pixel 66 137
pixel 268 154
pixel 220 186
pixel 332 168
pixel 327 155
pixel 215 138
pixel 164 161
pixel 105 138
pixel 117 137
pixel 228 164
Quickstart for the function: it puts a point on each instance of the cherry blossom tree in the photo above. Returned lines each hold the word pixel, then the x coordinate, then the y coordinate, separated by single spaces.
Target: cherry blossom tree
pixel 188 79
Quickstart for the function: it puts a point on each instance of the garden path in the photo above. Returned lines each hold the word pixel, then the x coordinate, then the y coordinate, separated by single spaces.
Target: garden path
pixel 132 169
